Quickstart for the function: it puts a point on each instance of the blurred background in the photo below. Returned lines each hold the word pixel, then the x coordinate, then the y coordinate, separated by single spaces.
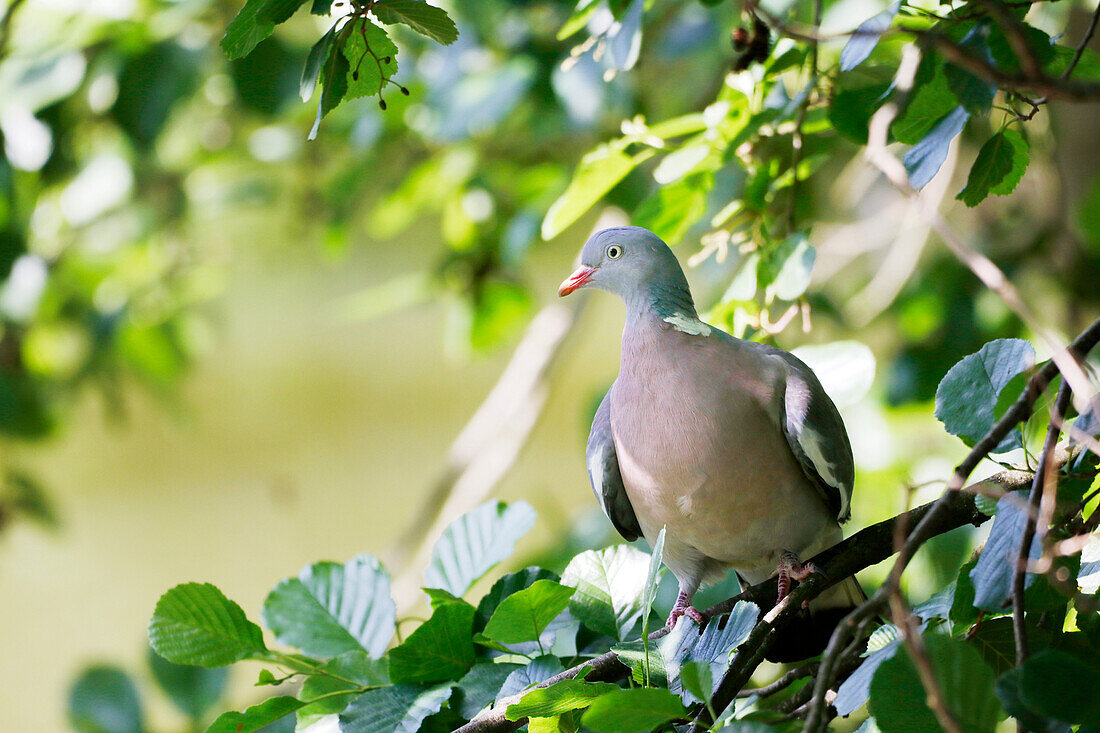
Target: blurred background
pixel 227 352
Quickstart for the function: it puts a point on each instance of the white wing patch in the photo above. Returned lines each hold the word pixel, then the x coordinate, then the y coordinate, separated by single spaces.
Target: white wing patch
pixel 687 324
pixel 811 443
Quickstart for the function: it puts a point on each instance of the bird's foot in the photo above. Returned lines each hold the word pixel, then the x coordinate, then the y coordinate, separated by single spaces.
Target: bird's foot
pixel 683 607
pixel 792 567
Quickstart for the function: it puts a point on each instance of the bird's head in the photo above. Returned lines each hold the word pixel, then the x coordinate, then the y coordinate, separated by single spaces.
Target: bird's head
pixel 634 264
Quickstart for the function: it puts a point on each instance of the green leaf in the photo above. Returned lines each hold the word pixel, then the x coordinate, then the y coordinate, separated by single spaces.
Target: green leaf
pixel 633 711
pixel 316 59
pixel 992 575
pixel 995 640
pixel 974 93
pixel 670 211
pixel 854 691
pixel 785 270
pixel 564 723
pixel 255 22
pixel 597 173
pixel 371 58
pixel 440 649
pixel 1004 56
pixel 195 623
pixel 714 646
pixel 524 615
pixel 998 168
pixel 560 697
pixel 539 670
pixel 479 687
pixel 898 698
pixel 506 586
pixel 866 37
pixel 399 709
pixel 255 717
pixel 425 19
pixel 194 690
pixel 929 102
pixel 1062 686
pixel 850 110
pixel 924 159
pixel 697 678
pixel 967 395
pixel 1087 69
pixel 332 608
pixel 104 700
pixel 1007 688
pixel 610 584
pixel 963 613
pixel 348 672
pixel 475 542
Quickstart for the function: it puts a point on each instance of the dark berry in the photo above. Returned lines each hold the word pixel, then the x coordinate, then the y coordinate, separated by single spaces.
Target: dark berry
pixel 382 104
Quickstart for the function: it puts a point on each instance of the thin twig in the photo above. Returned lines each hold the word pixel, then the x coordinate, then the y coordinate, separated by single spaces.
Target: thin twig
pixel 1043 474
pixel 1084 43
pixel 902 617
pixel 782 683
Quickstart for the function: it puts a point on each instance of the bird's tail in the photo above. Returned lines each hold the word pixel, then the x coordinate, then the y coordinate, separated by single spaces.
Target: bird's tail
pixel 808 635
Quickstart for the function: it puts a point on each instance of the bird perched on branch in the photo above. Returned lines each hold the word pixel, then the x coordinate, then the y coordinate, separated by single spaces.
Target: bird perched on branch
pixel 732 446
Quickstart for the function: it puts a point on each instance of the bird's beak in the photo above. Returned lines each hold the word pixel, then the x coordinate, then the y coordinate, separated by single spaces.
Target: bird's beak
pixel 577 280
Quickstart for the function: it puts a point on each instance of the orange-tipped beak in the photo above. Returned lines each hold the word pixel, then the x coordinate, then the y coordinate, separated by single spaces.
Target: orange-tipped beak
pixel 576 280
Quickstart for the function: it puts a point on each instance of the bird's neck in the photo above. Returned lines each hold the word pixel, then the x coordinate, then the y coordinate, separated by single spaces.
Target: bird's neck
pixel 666 303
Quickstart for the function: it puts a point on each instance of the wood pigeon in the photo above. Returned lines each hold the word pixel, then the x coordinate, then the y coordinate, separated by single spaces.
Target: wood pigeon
pixel 732 446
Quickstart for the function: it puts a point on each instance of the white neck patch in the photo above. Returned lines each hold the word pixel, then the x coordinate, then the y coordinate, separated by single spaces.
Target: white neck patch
pixel 687 324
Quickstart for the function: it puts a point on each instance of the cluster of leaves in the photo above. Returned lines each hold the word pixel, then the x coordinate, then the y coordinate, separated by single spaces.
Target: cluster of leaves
pixel 532 624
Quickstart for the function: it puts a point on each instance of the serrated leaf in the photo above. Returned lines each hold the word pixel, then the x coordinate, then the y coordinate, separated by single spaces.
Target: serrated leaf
pixel 539 670
pixel 1063 686
pixel 398 709
pixel 371 58
pixel 255 22
pixel 930 101
pixel 524 615
pixel 478 687
pixel 924 159
pixel 105 699
pixel 992 575
pixel 316 59
pixel 633 711
pixel 866 37
pixel 194 623
pixel 609 584
pixel 506 586
pixel 560 697
pixel 967 395
pixel 255 717
pixel 475 542
pixel 898 700
pixel 193 690
pixel 714 646
pixel 697 678
pixel 598 172
pixel 427 20
pixel 1000 165
pixel 440 649
pixel 332 608
pixel 349 672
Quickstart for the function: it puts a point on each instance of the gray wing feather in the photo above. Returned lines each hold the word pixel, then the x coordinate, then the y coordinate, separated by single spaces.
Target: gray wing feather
pixel 603 472
pixel 815 432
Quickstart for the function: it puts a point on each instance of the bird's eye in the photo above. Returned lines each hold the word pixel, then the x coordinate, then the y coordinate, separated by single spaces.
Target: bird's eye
pixel 614 252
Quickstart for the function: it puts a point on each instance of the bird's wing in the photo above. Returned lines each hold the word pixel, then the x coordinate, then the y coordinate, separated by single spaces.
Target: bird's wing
pixel 603 471
pixel 815 432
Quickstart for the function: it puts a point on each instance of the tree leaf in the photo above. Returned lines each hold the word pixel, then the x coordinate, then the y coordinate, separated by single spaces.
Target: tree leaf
pixel 785 270
pixel 349 672
pixel 475 542
pixel 427 20
pixel 194 690
pixel 998 168
pixel 371 58
pixel 398 709
pixel 963 613
pixel 105 699
pixel 560 697
pixel 714 646
pixel 929 102
pixel 846 369
pixel 539 670
pixel 506 586
pixel 850 110
pixel 924 159
pixel 866 37
pixel 331 608
pixel 440 649
pixel 610 584
pixel 697 678
pixel 524 615
pixel 670 211
pixel 995 640
pixel 992 575
pixel 633 711
pixel 854 691
pixel 255 717
pixel 478 687
pixel 316 59
pixel 194 623
pixel 597 173
pixel 967 395
pixel 1007 688
pixel 974 93
pixel 255 22
pixel 898 700
pixel 1062 686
